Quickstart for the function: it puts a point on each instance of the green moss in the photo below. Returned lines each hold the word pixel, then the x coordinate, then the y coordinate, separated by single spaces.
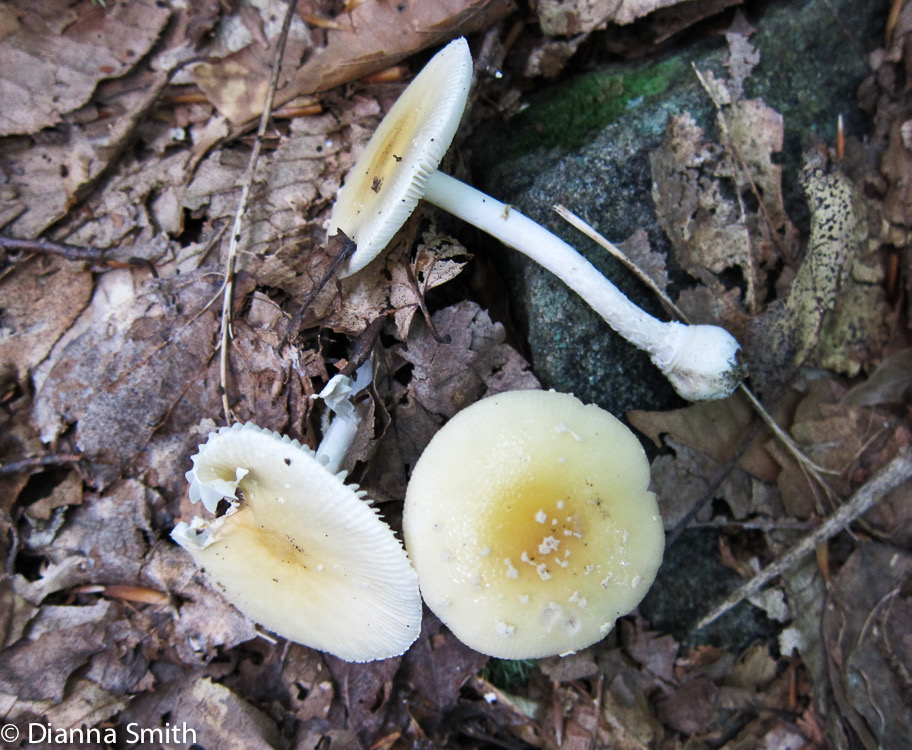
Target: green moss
pixel 508 674
pixel 566 115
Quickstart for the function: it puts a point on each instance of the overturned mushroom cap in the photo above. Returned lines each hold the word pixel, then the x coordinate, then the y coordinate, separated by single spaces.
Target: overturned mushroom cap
pixel 302 554
pixel 386 183
pixel 530 524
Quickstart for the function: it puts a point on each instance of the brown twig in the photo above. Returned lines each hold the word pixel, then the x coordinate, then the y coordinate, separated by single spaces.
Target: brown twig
pixel 90 254
pixel 348 247
pixel 27 464
pixel 234 240
pixel 889 477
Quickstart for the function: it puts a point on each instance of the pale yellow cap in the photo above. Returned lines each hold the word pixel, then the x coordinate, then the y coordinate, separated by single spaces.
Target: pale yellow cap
pixel 531 525
pixel 383 187
pixel 301 553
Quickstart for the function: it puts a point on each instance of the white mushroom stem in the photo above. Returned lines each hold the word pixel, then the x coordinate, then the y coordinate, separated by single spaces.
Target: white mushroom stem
pixel 343 427
pixel 700 360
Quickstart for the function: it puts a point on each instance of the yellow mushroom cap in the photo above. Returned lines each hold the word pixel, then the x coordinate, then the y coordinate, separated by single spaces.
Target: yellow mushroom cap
pixel 386 183
pixel 302 554
pixel 531 526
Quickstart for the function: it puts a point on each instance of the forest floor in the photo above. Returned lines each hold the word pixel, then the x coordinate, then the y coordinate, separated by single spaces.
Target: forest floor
pixel 126 130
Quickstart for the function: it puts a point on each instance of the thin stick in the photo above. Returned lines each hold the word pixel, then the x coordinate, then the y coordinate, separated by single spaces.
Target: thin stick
pixel 234 240
pixel 71 252
pixel 27 464
pixel 889 477
pixel 814 469
pixel 346 251
pixel 593 234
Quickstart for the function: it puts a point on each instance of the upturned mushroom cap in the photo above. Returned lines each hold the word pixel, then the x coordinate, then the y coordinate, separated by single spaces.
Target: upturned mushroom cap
pixel 386 183
pixel 302 554
pixel 530 524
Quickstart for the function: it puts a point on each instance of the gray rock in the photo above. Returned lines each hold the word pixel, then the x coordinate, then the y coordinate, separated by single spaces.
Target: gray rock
pixel 585 140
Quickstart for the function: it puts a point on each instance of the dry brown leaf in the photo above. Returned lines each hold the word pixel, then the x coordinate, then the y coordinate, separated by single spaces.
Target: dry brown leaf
pixel 689 708
pixel 568 17
pixel 59 52
pixel 132 369
pixel 38 669
pixel 217 716
pixel 375 35
pixel 716 428
pixel 85 704
pixel 202 621
pixel 51 170
pixel 435 668
pixel 783 337
pixel 890 383
pixel 834 436
pixel 866 631
pixel 467 360
pixel 370 37
pixel 41 299
pixel 236 73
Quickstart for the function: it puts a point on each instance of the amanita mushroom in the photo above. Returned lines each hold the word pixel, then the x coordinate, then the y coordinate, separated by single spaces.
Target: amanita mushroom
pixel 302 554
pixel 530 523
pixel 399 167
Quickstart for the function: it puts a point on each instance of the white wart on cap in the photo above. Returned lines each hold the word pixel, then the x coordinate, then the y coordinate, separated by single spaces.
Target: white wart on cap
pixel 302 554
pixel 531 526
pixel 388 180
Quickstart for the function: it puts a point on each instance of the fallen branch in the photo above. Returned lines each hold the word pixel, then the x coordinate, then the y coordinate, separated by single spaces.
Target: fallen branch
pixel 892 475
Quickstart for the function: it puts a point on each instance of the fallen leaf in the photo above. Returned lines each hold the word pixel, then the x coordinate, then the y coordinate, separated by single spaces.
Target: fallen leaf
pixel 38 669
pixel 41 300
pixel 866 631
pixel 131 370
pixel 203 713
pixel 59 53
pixel 783 337
pixel 889 383
pixel 375 35
pixel 716 428
pixel 689 708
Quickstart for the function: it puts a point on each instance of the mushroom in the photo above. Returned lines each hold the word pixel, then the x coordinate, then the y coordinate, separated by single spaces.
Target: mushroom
pixel 302 554
pixel 399 167
pixel 530 523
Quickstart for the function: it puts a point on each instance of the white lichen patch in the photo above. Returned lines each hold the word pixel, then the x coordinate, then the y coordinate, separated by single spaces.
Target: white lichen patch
pixel 504 629
pixel 543 571
pixel 512 572
pixel 541 516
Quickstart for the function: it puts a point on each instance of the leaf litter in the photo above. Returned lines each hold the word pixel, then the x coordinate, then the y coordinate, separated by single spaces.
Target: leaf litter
pixel 105 622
